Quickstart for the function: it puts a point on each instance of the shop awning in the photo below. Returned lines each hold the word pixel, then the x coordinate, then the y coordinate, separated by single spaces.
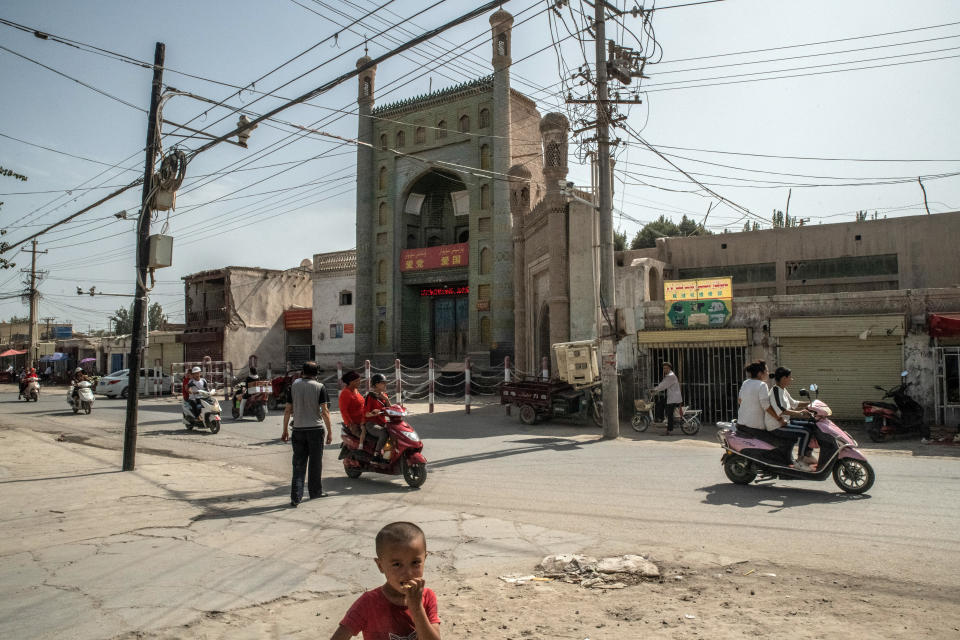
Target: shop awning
pixel 11 352
pixel 944 325
pixel 53 357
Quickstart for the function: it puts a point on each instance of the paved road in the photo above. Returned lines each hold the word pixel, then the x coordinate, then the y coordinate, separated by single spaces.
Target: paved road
pixel 634 494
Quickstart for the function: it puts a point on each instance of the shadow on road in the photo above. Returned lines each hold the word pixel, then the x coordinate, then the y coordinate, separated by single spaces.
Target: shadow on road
pixel 777 498
pixel 536 445
pixel 64 477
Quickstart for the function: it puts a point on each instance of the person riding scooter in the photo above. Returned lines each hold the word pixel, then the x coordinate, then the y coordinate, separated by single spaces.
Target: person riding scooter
pixel 25 380
pixel 78 377
pixel 251 377
pixel 197 383
pixel 374 405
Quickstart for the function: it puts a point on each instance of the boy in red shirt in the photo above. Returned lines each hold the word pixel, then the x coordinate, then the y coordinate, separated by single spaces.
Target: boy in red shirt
pixel 350 402
pixel 403 608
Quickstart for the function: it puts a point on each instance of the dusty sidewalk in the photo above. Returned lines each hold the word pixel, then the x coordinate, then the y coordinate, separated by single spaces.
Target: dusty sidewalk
pixel 187 549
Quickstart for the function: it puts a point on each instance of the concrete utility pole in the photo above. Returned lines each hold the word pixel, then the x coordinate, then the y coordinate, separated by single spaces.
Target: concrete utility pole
pixel 48 320
pixel 607 331
pixel 143 232
pixel 31 357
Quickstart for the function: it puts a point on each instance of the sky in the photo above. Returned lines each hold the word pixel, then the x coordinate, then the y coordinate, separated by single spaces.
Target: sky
pixel 838 106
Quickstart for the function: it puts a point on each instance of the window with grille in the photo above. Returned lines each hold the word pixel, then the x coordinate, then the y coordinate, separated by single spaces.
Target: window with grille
pixel 383 142
pixel 441 131
pixel 486 260
pixel 485 196
pixel 483 292
pixel 464 124
pixel 381 298
pixel 346 298
pixel 485 330
pixel 382 334
pixel 420 135
pixel 483 225
pixel 401 139
pixel 381 272
pixel 484 118
pixel 382 214
pixel 382 180
pixel 485 160
pixel 381 239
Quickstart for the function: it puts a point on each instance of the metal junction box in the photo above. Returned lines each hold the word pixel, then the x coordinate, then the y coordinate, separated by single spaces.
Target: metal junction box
pixel 161 251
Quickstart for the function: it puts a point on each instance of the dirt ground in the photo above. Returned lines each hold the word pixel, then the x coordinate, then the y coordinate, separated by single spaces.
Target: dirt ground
pixel 736 601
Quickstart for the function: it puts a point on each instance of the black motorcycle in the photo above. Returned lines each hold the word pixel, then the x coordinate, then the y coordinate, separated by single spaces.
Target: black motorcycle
pixel 903 416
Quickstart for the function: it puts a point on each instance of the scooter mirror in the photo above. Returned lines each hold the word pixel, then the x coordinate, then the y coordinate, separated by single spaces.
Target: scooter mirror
pixel 814 388
pixel 804 394
pixel 903 374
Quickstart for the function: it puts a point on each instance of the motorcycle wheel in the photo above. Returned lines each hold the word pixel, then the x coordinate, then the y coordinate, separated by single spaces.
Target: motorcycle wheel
pixel 853 476
pixel 640 422
pixel 124 394
pixel 261 413
pixel 739 470
pixel 235 412
pixel 528 415
pixel 34 396
pixel 874 433
pixel 213 425
pixel 691 427
pixel 87 408
pixel 352 472
pixel 414 473
pixel 75 408
pixel 596 412
pixel 273 403
pixel 189 426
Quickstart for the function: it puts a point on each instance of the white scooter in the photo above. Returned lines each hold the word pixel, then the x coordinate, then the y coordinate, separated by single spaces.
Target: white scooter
pixel 209 412
pixel 31 391
pixel 83 399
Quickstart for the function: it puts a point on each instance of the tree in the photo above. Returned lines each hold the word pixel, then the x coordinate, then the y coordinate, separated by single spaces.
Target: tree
pixel 783 221
pixel 664 227
pixel 862 215
pixel 7 173
pixel 18 319
pixel 619 240
pixel 155 317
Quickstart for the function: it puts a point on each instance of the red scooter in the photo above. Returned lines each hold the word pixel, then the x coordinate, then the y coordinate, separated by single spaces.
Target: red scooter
pixel 904 415
pixel 402 453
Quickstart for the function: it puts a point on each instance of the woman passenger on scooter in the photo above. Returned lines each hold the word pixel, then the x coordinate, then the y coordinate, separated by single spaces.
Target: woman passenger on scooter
pixel 785 407
pixel 374 406
pixel 754 401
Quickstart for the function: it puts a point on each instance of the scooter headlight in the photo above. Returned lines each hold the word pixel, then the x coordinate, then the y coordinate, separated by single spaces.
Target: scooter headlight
pixel 411 435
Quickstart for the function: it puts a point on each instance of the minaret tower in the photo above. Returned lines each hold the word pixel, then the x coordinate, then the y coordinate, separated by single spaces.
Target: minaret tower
pixel 366 172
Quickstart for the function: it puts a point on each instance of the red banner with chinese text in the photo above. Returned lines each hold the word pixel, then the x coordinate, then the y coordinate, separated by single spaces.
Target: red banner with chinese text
pixel 442 257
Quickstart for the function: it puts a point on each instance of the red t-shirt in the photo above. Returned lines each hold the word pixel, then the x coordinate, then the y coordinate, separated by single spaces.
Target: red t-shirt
pixel 351 406
pixel 373 403
pixel 379 619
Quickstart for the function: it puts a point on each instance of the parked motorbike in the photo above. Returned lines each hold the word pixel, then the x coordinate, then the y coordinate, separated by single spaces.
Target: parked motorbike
pixel 904 415
pixel 402 453
pixel 31 390
pixel 746 457
pixel 688 419
pixel 209 417
pixel 258 396
pixel 83 399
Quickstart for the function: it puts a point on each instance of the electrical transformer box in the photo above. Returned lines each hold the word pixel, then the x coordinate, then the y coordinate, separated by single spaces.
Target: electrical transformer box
pixel 161 251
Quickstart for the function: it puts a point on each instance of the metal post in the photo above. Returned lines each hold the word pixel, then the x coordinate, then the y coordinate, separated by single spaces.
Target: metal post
pixel 506 375
pixel 396 373
pixel 340 374
pixel 431 378
pixel 606 332
pixel 545 368
pixel 366 373
pixel 466 383
pixel 143 231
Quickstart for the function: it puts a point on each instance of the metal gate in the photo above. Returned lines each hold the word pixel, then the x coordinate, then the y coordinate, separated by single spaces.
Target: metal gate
pixel 947 386
pixel 710 377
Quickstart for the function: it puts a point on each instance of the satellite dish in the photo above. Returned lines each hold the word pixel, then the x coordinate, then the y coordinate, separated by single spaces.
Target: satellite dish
pixel 306 263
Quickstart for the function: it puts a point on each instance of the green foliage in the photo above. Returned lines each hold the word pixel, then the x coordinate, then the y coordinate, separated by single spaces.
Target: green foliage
pixel 619 240
pixel 862 216
pixel 123 318
pixel 7 173
pixel 18 319
pixel 783 221
pixel 664 227
pixel 751 226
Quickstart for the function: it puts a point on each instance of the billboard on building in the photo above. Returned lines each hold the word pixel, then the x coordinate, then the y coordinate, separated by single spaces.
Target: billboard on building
pixel 705 303
pixel 63 332
pixel 298 319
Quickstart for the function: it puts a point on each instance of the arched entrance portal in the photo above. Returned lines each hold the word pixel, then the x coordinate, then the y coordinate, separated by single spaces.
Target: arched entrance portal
pixel 436 210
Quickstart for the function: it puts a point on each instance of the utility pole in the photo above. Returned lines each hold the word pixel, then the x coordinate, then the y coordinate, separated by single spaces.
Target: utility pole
pixel 608 305
pixel 143 232
pixel 33 303
pixel 48 321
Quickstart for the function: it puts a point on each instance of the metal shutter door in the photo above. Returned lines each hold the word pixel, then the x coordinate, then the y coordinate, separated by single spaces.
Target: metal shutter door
pixel 845 368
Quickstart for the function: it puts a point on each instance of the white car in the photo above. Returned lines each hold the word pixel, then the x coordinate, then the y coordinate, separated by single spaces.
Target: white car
pixel 151 381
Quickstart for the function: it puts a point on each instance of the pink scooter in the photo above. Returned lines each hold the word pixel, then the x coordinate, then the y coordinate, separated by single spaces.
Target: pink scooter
pixel 746 457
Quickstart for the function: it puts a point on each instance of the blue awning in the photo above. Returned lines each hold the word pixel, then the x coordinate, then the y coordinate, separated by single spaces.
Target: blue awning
pixel 54 357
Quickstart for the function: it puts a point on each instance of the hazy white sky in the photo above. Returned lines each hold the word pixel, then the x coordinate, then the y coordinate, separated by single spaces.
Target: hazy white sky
pixel 865 135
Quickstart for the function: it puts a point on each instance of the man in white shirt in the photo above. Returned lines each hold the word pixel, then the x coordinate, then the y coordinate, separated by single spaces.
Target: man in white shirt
pixel 671 385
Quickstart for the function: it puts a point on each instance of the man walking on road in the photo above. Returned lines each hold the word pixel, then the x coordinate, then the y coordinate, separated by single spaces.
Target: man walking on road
pixel 308 403
pixel 671 385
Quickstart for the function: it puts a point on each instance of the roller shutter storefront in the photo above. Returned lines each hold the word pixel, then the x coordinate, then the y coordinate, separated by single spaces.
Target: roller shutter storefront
pixel 845 355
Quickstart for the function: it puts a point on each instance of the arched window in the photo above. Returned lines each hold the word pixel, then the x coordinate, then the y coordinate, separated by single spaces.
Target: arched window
pixel 485 196
pixel 420 135
pixel 367 87
pixel 401 139
pixel 382 179
pixel 382 272
pixel 485 160
pixel 485 330
pixel 434 241
pixel 553 155
pixel 502 44
pixel 464 124
pixel 381 334
pixel 441 130
pixel 383 142
pixel 486 260
pixel 484 118
pixel 525 197
pixel 411 241
pixel 464 236
pixel 382 214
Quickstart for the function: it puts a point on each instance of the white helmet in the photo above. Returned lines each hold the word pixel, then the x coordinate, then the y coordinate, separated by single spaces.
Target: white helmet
pixel 78 370
pixel 196 370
